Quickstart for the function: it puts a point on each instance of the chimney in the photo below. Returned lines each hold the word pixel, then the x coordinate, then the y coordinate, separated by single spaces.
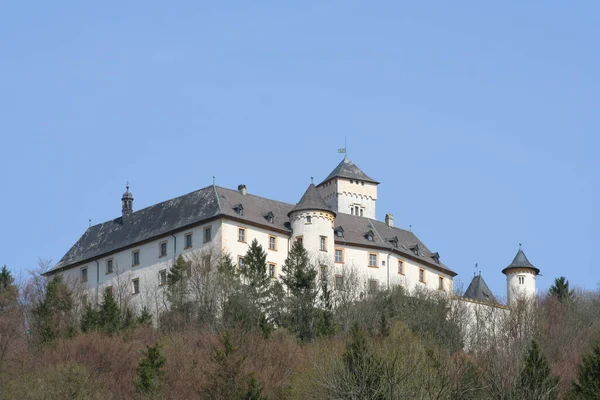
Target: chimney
pixel 389 220
pixel 242 189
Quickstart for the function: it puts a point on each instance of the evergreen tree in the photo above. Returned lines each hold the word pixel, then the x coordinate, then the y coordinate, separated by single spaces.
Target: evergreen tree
pixel 145 317
pixel 177 285
pixel 52 317
pixel 110 318
pixel 536 381
pixel 560 289
pixel 150 372
pixel 257 286
pixel 299 277
pixel 363 367
pixel 6 279
pixel 325 322
pixel 587 385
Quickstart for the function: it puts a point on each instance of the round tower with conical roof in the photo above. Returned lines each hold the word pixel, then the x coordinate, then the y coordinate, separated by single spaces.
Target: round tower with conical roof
pixel 520 279
pixel 312 222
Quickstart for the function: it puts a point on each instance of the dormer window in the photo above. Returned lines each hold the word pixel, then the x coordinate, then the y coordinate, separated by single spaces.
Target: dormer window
pixel 394 241
pixel 415 249
pixel 370 236
pixel 436 257
pixel 239 209
pixel 270 217
pixel 339 232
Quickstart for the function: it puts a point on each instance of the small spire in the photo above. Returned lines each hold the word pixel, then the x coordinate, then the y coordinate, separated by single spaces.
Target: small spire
pixel 213 180
pixel 312 179
pixel 520 244
pixel 89 223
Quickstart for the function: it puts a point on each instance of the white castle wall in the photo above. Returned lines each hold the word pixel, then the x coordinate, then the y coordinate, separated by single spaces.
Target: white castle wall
pixel 341 194
pixel 321 224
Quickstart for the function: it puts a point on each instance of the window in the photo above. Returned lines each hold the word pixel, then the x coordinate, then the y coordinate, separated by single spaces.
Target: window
pixel 135 258
pixel 188 240
pixel 356 210
pixel 109 266
pixel 242 235
pixel 422 275
pixel 84 274
pixel 401 267
pixel 239 209
pixel 162 277
pixel 324 272
pixel 351 210
pixel 373 286
pixel 521 279
pixel 339 255
pixel 372 260
pixel 308 219
pixel 207 234
pixel 361 212
pixel 339 233
pixel 323 243
pixel 162 249
pixel 272 243
pixel 135 286
pixel 441 283
pixel 339 282
pixel 241 263
pixel 271 270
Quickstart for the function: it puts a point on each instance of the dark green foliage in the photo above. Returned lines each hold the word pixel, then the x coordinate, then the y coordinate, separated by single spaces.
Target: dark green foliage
pixel 107 318
pixel 560 289
pixel 363 367
pixel 6 279
pixel 52 317
pixel 325 319
pixel 227 380
pixel 587 385
pixel 145 317
pixel 536 380
pixel 177 284
pixel 299 278
pixel 150 372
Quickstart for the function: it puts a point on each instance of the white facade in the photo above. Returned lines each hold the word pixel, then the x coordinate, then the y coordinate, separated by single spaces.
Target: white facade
pixel 350 196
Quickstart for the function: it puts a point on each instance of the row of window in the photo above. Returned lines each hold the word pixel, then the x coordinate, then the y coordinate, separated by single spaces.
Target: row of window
pixel 356 210
pixel 162 252
pixel 271 267
pixel 272 239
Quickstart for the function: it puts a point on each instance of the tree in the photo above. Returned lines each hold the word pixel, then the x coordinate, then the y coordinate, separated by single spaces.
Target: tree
pixel 257 286
pixel 587 385
pixel 560 289
pixel 107 318
pixel 299 277
pixel 52 316
pixel 6 279
pixel 536 382
pixel 149 372
pixel 363 367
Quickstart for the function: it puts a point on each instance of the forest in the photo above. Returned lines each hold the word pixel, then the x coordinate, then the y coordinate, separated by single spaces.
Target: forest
pixel 214 330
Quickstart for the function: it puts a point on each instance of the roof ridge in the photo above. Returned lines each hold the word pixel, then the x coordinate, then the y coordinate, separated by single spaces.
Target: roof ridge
pixel 220 211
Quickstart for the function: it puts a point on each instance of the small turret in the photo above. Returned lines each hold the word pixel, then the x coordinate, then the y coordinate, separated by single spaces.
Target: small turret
pixel 312 222
pixel 127 202
pixel 520 278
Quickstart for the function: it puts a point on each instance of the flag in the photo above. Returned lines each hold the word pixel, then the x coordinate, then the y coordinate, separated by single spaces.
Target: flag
pixel 342 150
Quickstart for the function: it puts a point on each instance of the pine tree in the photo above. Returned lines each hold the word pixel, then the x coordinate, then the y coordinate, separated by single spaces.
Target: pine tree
pixel 257 285
pixel 52 317
pixel 145 317
pixel 536 380
pixel 177 285
pixel 325 322
pixel 299 277
pixel 560 289
pixel 6 279
pixel 111 320
pixel 150 372
pixel 363 367
pixel 587 385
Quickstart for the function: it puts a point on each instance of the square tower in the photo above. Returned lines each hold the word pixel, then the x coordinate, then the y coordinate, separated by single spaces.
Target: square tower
pixel 347 189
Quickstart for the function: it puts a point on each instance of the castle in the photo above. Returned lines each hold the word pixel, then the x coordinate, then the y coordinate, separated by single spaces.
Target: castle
pixel 335 220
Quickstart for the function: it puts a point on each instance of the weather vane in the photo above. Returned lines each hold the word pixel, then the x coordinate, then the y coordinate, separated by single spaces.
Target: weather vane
pixel 343 150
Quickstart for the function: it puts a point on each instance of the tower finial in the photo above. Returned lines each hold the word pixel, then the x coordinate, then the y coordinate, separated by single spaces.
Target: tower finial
pixel 312 179
pixel 127 185
pixel 520 244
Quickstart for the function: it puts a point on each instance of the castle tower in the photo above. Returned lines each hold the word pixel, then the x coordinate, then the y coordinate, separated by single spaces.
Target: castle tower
pixel 312 222
pixel 347 189
pixel 520 279
pixel 127 202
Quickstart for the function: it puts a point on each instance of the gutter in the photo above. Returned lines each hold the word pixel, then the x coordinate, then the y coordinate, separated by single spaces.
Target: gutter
pixel 97 280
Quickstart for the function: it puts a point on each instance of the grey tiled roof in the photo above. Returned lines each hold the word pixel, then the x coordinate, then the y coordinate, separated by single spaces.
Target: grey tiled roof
pixel 347 169
pixel 521 261
pixel 213 201
pixel 312 200
pixel 479 290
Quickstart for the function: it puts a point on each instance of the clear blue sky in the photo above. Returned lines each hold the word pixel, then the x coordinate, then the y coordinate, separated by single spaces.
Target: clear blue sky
pixel 480 120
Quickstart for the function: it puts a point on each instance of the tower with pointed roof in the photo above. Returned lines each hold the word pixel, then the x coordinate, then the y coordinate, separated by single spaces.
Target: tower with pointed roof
pixel 312 222
pixel 520 279
pixel 347 189
pixel 127 202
